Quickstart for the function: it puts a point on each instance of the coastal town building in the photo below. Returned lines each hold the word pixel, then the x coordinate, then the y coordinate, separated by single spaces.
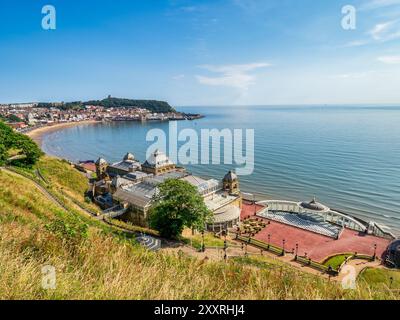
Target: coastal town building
pixel 127 165
pixel 35 115
pixel 158 163
pixel 133 185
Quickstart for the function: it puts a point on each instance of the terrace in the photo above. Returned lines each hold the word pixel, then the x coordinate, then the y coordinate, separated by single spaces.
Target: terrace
pixel 316 246
pixel 311 223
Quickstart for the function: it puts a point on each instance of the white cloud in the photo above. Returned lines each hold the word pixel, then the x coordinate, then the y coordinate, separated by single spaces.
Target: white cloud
pixel 381 32
pixel 390 59
pixel 386 31
pixel 377 4
pixel 378 30
pixel 235 76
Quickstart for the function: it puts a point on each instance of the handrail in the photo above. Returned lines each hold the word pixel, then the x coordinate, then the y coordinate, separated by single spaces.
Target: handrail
pixel 278 250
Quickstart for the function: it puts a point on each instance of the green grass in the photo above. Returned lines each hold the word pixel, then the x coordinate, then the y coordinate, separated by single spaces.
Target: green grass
pixel 380 279
pixel 209 240
pixel 131 227
pixel 65 181
pixel 336 261
pixel 263 262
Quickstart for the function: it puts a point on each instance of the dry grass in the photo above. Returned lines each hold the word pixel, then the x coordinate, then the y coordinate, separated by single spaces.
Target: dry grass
pixel 99 264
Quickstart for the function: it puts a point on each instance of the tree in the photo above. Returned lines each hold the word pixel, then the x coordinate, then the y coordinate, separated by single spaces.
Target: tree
pixel 25 146
pixel 28 148
pixel 14 118
pixel 177 205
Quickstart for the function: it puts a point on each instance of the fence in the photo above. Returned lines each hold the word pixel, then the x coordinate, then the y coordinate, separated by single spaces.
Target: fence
pixel 260 244
pixel 279 251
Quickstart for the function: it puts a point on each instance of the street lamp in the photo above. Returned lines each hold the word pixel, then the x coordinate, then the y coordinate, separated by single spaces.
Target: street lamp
pixel 375 247
pixel 203 247
pixel 283 247
pixel 225 248
pixel 297 251
pixel 255 206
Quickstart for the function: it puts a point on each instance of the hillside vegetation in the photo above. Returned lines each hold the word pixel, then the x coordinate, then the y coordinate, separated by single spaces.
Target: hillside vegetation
pixel 94 261
pixel 152 105
pixel 16 146
pixel 110 102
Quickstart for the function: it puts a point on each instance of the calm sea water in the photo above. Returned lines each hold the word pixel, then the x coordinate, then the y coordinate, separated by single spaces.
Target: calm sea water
pixel 348 157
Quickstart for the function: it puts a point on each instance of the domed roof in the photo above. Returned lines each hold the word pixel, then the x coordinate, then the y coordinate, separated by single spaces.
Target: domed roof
pixel 393 254
pixel 101 161
pixel 158 159
pixel 129 157
pixel 313 205
pixel 230 176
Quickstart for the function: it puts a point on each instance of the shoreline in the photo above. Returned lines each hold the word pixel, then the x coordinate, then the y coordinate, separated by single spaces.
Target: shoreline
pixel 38 133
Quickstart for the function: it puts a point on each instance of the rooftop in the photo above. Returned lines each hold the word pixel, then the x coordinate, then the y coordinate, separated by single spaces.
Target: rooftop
pixel 218 200
pixel 158 159
pixel 314 205
pixel 227 213
pixel 139 194
pixel 126 165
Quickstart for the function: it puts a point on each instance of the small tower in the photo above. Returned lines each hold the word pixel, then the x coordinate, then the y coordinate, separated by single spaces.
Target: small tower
pixel 129 157
pixel 231 183
pixel 101 168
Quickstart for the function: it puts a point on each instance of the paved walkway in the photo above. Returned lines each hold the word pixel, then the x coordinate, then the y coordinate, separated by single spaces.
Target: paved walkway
pixel 358 265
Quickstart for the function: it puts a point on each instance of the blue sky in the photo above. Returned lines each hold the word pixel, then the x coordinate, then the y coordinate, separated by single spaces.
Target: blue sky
pixel 210 52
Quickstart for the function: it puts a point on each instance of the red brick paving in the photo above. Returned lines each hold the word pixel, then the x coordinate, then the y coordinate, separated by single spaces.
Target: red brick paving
pixel 317 246
pixel 249 210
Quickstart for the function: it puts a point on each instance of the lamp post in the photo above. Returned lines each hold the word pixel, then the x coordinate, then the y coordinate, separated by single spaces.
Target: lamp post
pixel 297 251
pixel 203 247
pixel 255 206
pixel 283 247
pixel 225 248
pixel 375 247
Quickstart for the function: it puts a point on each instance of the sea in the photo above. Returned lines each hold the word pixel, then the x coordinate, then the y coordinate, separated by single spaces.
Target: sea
pixel 348 157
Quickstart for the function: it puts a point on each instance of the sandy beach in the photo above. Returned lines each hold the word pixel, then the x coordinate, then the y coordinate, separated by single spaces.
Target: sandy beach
pixel 37 134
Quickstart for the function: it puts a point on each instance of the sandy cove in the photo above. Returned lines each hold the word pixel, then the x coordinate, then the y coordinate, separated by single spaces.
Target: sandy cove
pixel 37 134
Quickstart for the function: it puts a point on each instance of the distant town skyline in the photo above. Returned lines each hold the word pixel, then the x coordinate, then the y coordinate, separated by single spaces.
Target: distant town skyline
pixel 211 52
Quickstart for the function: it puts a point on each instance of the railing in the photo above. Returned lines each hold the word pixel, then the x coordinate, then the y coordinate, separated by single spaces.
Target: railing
pixel 115 214
pixel 316 265
pixel 260 244
pixel 280 251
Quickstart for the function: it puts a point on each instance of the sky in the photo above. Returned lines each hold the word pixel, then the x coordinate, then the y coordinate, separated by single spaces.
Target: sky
pixel 209 52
